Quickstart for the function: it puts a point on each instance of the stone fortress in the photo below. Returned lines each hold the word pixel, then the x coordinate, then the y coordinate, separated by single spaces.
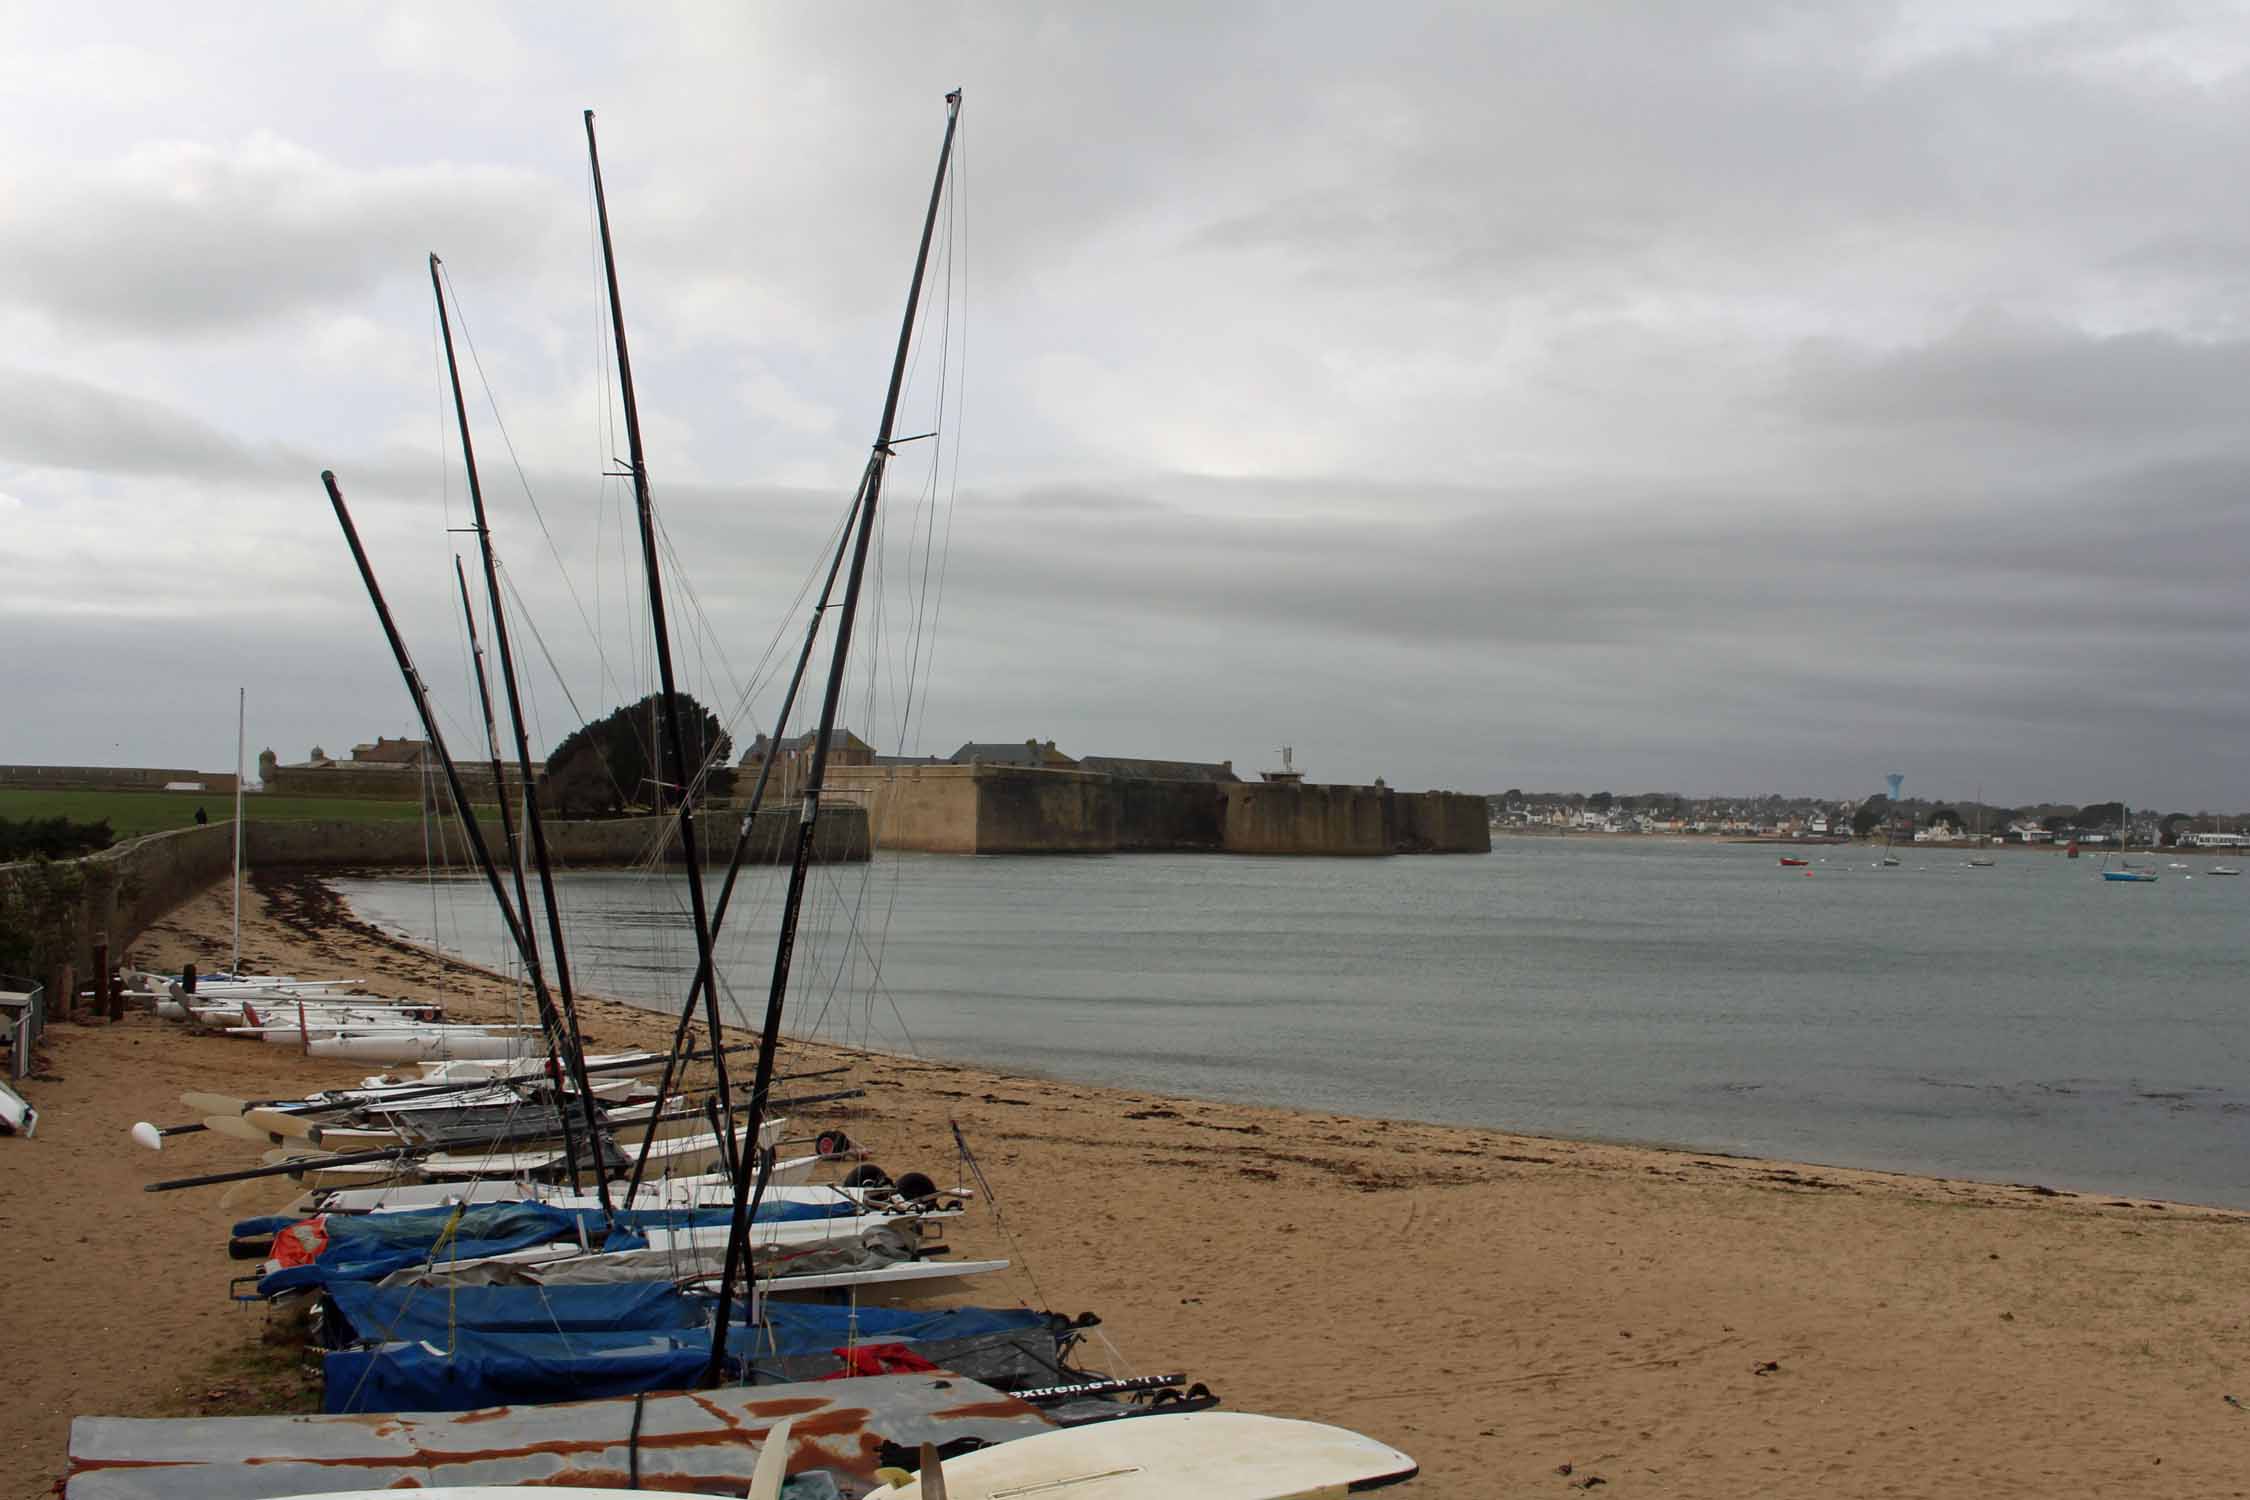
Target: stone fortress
pixel 1028 797
pixel 1014 797
pixel 383 768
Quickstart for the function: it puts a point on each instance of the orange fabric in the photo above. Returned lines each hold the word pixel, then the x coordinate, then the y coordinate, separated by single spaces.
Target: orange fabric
pixel 301 1243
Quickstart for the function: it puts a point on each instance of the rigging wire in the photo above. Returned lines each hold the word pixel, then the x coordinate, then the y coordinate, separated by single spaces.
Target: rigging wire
pixel 523 479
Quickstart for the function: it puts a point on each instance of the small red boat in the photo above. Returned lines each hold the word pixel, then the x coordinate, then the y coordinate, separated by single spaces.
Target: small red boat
pixel 1785 859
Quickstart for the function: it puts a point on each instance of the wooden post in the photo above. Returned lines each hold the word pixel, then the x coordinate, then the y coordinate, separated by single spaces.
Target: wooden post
pixel 112 993
pixel 100 977
pixel 62 993
pixel 187 978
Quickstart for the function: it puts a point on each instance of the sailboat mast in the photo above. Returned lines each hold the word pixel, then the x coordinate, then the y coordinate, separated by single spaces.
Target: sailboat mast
pixel 517 932
pixel 241 702
pixel 808 818
pixel 492 740
pixel 567 1035
pixel 550 1026
pixel 743 835
pixel 676 741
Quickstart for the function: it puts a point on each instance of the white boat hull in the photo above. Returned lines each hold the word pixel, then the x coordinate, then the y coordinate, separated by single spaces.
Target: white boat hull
pixel 1204 1455
pixel 422 1046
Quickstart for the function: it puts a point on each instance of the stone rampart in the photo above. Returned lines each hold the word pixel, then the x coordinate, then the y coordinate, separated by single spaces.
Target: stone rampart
pixel 1023 810
pixel 1294 818
pixel 1155 816
pixel 115 779
pixel 383 783
pixel 1440 823
pixel 990 809
pixel 928 808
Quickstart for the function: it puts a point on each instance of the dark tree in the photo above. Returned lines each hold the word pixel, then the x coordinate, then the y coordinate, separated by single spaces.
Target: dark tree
pixel 2102 815
pixel 614 765
pixel 1599 802
pixel 1869 815
pixel 1946 815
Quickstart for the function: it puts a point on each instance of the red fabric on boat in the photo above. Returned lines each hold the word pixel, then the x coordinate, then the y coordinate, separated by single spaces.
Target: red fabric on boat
pixel 300 1244
pixel 879 1359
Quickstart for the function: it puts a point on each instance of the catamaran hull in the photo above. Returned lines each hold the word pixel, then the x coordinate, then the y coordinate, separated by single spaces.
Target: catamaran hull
pixel 422 1046
pixel 703 1190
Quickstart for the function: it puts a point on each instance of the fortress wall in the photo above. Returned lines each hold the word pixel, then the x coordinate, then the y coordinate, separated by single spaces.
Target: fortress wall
pixel 1441 823
pixel 388 784
pixel 385 783
pixel 115 779
pixel 932 809
pixel 1275 818
pixel 988 809
pixel 596 843
pixel 1170 815
pixel 1021 810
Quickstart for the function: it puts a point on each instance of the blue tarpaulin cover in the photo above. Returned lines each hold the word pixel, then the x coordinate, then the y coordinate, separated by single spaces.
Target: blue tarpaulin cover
pixel 491 1346
pixel 768 1213
pixel 368 1247
pixel 411 1313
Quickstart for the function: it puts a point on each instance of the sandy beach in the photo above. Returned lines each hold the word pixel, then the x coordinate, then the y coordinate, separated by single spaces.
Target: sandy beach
pixel 1525 1315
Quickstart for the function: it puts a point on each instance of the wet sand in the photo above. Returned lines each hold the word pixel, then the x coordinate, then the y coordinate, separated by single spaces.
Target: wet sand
pixel 1501 1306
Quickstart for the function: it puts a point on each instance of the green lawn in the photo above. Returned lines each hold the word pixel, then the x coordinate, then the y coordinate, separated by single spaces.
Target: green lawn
pixel 134 813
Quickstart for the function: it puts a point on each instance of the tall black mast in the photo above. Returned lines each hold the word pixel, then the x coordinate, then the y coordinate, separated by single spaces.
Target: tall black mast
pixel 492 740
pixel 573 1057
pixel 871 490
pixel 550 1025
pixel 743 835
pixel 517 932
pixel 683 775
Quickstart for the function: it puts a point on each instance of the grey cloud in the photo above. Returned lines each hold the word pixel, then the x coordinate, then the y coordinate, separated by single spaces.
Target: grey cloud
pixel 190 239
pixel 1595 380
pixel 52 421
pixel 2057 380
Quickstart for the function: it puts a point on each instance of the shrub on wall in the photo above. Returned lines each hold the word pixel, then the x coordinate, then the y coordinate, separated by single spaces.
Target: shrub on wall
pixel 52 838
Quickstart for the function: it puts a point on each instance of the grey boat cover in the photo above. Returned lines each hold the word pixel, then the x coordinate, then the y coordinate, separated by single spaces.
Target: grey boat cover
pixel 705 1441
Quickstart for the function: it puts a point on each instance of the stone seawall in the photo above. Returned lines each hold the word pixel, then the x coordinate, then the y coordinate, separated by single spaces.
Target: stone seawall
pixel 57 911
pixel 1441 823
pixel 1154 816
pixel 985 809
pixel 1047 812
pixel 928 808
pixel 593 844
pixel 1281 818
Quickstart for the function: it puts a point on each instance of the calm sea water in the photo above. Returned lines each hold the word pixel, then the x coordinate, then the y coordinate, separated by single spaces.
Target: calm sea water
pixel 2027 1022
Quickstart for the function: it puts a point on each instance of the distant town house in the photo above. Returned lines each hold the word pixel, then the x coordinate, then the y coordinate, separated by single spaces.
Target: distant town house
pixel 792 762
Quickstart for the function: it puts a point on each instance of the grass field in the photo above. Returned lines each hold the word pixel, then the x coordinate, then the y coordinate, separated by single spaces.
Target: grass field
pixel 134 813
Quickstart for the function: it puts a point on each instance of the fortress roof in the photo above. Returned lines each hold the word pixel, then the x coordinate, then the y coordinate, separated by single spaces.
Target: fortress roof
pixel 1011 753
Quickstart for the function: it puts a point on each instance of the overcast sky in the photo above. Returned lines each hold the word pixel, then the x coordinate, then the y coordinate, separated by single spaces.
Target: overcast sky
pixel 1688 397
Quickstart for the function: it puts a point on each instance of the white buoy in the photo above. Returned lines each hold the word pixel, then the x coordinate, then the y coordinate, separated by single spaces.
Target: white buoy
pixel 145 1134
